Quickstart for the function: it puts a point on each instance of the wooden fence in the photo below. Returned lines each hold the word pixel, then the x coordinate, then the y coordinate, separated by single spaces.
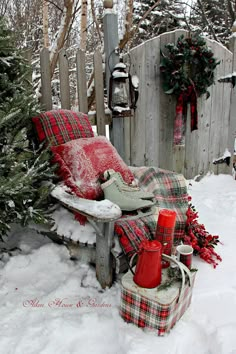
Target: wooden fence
pixel 151 129
pixel 148 135
pixel 98 117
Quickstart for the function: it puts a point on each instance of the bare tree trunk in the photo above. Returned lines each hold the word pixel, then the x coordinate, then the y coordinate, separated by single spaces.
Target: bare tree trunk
pixel 62 33
pixel 129 16
pixel 83 25
pixel 95 20
pixel 45 24
pixel 3 7
pixel 130 35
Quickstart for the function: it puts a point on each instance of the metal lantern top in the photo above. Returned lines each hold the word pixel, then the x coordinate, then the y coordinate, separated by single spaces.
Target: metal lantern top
pixel 119 72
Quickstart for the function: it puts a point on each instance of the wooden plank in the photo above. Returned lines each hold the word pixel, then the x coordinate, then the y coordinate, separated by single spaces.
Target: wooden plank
pixel 225 121
pixel 111 42
pixel 166 116
pixel 127 140
pixel 92 116
pixel 232 121
pixel 46 98
pixel 204 127
pixel 81 81
pixel 204 119
pixel 216 109
pixel 152 101
pixel 191 160
pixel 64 79
pixel 104 269
pixel 99 93
pixel 137 127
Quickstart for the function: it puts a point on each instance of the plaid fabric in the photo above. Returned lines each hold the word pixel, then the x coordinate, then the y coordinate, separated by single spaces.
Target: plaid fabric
pixel 150 314
pixel 186 259
pixel 170 192
pixel 60 126
pixel 165 235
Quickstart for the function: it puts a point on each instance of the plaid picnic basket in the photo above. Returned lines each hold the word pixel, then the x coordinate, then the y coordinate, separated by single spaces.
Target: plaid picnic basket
pixel 153 309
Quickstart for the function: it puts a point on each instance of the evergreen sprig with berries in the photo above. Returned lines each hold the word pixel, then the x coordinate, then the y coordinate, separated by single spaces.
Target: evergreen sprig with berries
pixel 200 239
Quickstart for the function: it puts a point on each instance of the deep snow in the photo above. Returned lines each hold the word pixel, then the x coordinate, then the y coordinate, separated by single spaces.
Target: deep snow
pixel 43 273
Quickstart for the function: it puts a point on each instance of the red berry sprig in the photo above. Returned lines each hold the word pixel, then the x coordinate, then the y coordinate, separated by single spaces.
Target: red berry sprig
pixel 202 242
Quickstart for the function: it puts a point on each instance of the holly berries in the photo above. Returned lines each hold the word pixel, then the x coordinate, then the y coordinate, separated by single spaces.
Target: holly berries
pixel 202 242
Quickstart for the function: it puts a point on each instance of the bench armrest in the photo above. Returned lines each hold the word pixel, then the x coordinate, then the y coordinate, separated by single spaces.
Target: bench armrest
pixel 100 211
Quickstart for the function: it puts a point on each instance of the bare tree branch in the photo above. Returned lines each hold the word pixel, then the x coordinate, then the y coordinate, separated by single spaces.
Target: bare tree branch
pixel 206 20
pixel 60 40
pixel 53 3
pixel 130 35
pixel 129 16
pixel 96 21
pixel 231 11
pixel 76 9
pixel 3 7
pixel 83 24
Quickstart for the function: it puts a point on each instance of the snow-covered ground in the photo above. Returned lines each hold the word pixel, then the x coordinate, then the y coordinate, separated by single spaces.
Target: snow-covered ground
pixel 35 284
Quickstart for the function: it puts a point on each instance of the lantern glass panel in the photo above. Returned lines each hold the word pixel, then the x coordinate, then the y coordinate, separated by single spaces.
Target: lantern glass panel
pixel 119 94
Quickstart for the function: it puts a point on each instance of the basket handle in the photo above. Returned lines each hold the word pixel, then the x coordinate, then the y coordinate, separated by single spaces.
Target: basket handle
pixel 183 269
pixel 130 263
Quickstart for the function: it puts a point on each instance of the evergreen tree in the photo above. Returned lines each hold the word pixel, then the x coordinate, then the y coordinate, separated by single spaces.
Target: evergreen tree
pixel 23 168
pixel 166 16
pixel 214 18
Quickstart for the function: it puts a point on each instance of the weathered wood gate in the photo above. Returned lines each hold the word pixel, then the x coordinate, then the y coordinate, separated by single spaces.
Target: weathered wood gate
pixel 148 136
pixel 151 129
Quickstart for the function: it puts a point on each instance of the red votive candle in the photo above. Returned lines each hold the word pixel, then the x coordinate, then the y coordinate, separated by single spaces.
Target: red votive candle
pixel 165 232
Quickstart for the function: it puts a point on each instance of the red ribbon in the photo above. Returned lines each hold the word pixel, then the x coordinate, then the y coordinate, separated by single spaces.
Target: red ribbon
pixel 185 97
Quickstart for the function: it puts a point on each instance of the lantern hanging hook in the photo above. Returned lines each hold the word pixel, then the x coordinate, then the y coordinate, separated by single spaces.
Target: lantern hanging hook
pixel 119 52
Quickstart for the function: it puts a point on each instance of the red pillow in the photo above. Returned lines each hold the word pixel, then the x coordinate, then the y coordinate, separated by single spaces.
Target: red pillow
pixel 62 125
pixel 82 161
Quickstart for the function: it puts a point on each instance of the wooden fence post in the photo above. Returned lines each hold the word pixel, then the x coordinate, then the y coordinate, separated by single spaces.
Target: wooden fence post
pixel 64 79
pixel 111 41
pixel 232 120
pixel 81 81
pixel 46 98
pixel 99 92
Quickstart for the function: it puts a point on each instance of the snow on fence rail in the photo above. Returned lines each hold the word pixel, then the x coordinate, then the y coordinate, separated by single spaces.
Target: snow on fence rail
pixel 99 117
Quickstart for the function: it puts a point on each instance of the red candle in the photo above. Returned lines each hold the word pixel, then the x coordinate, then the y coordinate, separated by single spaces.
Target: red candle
pixel 165 231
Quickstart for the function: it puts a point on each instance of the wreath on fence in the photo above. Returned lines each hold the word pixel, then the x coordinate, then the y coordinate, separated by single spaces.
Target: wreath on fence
pixel 188 69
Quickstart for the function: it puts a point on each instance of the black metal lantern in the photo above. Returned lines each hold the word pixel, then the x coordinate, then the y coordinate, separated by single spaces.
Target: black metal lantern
pixel 123 90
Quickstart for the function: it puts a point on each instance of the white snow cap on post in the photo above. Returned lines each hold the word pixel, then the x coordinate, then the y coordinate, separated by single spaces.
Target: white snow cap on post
pixel 108 4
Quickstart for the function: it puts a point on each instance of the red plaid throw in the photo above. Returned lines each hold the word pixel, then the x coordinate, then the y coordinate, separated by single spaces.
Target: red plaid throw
pixel 60 126
pixel 147 312
pixel 170 192
pixel 165 236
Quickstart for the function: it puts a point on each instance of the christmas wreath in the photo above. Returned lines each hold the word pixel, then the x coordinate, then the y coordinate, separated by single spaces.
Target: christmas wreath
pixel 187 70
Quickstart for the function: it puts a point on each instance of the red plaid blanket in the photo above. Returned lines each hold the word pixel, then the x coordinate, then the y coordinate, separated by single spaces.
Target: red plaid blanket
pixel 170 192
